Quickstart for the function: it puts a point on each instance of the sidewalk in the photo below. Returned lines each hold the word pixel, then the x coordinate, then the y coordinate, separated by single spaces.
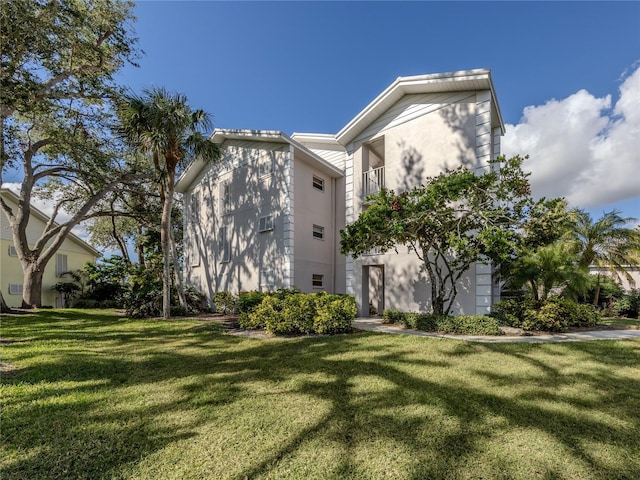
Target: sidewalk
pixel 376 325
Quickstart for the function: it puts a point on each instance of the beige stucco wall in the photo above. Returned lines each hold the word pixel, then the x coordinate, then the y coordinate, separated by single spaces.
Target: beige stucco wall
pixel 252 195
pixel 444 137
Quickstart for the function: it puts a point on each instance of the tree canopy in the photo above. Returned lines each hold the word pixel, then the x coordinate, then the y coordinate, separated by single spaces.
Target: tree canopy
pixel 455 219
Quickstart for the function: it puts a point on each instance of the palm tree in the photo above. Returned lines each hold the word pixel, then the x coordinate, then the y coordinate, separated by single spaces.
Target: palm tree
pixel 607 244
pixel 162 124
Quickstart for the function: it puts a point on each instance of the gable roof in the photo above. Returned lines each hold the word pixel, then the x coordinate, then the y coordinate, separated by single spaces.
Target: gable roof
pixel 11 195
pixel 220 135
pixel 439 82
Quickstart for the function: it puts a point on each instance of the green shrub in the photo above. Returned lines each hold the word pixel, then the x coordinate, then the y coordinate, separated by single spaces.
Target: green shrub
pixel 266 315
pixel 298 312
pixel 557 314
pixel 469 325
pixel 248 301
pixel 334 314
pixel 391 315
pixel 628 305
pixel 225 302
pixel 509 312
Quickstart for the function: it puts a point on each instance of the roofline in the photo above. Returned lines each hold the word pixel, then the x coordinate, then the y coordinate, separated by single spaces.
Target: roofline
pixel 328 138
pixel 404 85
pixel 45 218
pixel 219 135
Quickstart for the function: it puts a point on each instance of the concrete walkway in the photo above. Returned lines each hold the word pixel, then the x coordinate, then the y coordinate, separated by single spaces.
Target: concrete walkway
pixel 376 325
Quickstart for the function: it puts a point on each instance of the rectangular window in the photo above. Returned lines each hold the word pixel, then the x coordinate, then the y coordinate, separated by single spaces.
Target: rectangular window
pixel 194 211
pixel 317 281
pixel 265 223
pixel 61 264
pixel 195 250
pixel 12 251
pixel 225 239
pixel 15 289
pixel 318 183
pixel 318 232
pixel 267 278
pixel 265 166
pixel 225 197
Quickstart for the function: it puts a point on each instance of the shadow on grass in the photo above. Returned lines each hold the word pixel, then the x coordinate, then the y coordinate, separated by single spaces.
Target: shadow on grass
pixel 69 426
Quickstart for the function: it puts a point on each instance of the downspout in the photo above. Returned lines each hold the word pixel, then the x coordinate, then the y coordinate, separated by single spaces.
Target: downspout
pixel 333 244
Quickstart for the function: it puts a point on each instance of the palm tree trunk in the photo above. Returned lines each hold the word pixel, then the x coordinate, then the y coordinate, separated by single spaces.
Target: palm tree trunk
pixel 165 242
pixel 596 294
pixel 178 273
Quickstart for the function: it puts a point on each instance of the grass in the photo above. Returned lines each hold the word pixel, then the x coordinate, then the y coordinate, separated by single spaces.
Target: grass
pixel 634 322
pixel 95 396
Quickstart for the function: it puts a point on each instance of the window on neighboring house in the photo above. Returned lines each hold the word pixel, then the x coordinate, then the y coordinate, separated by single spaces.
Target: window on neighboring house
pixel 194 211
pixel 15 289
pixel 61 264
pixel 12 251
pixel 318 183
pixel 265 167
pixel 225 197
pixel 225 239
pixel 318 232
pixel 267 278
pixel 265 223
pixel 317 280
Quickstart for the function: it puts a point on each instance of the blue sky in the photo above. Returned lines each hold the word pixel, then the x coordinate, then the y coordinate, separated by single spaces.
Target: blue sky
pixel 312 66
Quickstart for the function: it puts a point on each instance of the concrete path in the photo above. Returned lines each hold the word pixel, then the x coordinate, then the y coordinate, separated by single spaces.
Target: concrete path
pixel 376 325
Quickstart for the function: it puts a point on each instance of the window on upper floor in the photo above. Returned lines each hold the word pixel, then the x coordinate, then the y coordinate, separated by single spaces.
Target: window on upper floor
pixel 226 231
pixel 265 223
pixel 318 232
pixel 373 167
pixel 61 264
pixel 318 183
pixel 195 249
pixel 194 208
pixel 225 197
pixel 265 167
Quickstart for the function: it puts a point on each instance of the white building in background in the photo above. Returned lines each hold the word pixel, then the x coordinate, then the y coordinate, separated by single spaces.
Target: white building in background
pixel 269 215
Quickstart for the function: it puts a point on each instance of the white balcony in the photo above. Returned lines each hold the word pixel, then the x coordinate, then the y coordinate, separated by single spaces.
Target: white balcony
pixel 372 181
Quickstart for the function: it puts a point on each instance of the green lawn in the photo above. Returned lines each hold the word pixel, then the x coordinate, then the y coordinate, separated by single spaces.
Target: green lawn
pixel 94 396
pixel 621 321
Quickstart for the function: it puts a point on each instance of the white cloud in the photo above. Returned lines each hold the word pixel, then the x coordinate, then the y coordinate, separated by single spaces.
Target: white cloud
pixel 580 148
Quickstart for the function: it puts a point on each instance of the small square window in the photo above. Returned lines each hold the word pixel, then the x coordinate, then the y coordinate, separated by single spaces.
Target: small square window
pixel 15 289
pixel 318 183
pixel 265 223
pixel 12 251
pixel 317 280
pixel 318 232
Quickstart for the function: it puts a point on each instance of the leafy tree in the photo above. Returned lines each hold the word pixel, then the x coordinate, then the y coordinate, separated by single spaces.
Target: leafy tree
pixel 607 243
pixel 58 60
pixel 455 219
pixel 164 126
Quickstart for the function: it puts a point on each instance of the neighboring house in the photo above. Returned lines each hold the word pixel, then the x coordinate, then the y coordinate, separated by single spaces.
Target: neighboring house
pixel 270 214
pixel 626 283
pixel 72 255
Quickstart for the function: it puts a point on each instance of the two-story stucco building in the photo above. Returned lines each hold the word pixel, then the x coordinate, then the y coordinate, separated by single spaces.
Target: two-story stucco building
pixel 71 256
pixel 269 215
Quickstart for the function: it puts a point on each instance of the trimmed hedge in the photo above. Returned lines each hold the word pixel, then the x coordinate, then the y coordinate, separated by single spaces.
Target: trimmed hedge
pixel 461 324
pixel 557 314
pixel 290 312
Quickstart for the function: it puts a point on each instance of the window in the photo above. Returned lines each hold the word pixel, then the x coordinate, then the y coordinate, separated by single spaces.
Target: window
pixel 225 239
pixel 265 167
pixel 61 264
pixel 317 280
pixel 318 232
pixel 265 223
pixel 194 211
pixel 12 251
pixel 15 289
pixel 225 197
pixel 267 278
pixel 195 250
pixel 318 183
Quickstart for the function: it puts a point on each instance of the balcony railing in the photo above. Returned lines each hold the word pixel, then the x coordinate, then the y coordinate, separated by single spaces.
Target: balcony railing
pixel 373 251
pixel 372 181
